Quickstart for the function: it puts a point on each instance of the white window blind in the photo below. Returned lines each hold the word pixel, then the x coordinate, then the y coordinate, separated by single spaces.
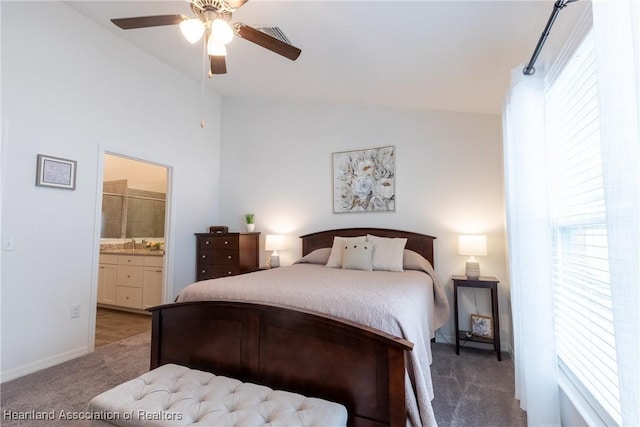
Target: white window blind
pixel 584 328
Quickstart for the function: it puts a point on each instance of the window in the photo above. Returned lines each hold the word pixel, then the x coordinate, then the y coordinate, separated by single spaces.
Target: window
pixel 572 187
pixel 584 324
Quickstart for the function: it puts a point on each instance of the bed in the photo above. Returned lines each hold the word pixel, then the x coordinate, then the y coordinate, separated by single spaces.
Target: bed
pixel 401 310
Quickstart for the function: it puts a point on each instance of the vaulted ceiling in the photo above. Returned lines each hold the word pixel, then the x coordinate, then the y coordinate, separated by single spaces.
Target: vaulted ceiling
pixel 442 55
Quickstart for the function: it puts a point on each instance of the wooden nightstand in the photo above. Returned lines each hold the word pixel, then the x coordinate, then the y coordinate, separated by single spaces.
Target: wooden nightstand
pixel 486 282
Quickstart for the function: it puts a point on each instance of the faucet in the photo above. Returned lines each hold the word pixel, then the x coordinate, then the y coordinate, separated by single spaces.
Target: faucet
pixel 133 244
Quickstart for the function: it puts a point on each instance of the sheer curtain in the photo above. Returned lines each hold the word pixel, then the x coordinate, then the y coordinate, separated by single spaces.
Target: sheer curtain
pixel 616 29
pixel 530 249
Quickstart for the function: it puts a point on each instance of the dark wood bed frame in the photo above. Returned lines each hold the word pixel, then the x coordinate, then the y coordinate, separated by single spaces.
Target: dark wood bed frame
pixel 420 243
pixel 291 349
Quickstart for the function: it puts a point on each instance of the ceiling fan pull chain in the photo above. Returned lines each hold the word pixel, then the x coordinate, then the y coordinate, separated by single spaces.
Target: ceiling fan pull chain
pixel 204 64
pixel 212 19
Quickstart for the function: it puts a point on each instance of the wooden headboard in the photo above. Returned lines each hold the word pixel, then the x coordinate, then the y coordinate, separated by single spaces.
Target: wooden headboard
pixel 420 243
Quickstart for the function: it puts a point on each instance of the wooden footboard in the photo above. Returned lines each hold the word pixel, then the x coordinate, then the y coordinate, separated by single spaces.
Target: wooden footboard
pixel 289 349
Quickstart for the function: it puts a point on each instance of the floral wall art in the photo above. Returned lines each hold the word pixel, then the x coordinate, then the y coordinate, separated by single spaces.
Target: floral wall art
pixel 364 180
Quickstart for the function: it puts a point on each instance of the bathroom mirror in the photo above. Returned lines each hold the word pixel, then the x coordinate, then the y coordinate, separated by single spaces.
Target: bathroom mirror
pixel 133 199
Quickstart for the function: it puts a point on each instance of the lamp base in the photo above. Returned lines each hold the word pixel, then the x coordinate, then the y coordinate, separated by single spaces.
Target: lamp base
pixel 274 261
pixel 472 270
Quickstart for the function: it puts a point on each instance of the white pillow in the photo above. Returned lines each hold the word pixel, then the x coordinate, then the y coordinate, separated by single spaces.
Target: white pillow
pixel 358 256
pixel 335 259
pixel 319 256
pixel 388 252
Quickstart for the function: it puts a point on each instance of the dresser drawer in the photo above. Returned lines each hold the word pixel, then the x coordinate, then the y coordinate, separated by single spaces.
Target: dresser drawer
pixel 215 271
pixel 108 259
pixel 218 257
pixel 130 260
pixel 227 241
pixel 153 261
pixel 130 276
pixel 129 297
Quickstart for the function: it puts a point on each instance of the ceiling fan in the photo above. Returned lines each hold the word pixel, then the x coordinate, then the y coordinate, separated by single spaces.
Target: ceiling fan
pixel 212 20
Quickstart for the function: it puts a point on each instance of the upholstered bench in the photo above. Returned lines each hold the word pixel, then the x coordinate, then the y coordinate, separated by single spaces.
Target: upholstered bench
pixel 174 395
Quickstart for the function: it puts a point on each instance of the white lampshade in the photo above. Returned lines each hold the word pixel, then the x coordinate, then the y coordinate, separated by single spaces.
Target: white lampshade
pixel 192 29
pixel 221 31
pixel 275 243
pixel 472 245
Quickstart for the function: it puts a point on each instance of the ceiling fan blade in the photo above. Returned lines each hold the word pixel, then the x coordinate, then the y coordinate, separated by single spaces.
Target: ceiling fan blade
pixel 148 21
pixel 218 64
pixel 236 3
pixel 268 42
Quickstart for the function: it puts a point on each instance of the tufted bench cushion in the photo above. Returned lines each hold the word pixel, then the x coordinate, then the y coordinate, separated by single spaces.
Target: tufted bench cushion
pixel 174 395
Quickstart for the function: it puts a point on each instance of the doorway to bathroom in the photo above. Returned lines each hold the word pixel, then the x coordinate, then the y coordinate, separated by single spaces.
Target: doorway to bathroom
pixel 132 246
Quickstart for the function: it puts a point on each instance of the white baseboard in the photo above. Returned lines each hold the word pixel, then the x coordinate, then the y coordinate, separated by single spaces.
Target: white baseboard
pixel 32 367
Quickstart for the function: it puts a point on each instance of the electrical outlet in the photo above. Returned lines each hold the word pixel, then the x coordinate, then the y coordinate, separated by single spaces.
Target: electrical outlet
pixel 75 311
pixel 8 244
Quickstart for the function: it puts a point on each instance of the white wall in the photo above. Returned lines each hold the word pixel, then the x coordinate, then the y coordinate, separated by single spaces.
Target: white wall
pixel 277 163
pixel 72 89
pixel 139 175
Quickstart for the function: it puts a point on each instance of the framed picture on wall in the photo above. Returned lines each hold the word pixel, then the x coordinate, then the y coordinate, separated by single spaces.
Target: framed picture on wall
pixel 56 172
pixel 364 180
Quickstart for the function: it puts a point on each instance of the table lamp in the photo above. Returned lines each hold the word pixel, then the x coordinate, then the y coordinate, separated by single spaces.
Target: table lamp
pixel 275 243
pixel 472 245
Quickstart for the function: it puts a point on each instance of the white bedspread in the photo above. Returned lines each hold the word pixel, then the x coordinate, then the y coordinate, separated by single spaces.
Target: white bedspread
pixel 400 303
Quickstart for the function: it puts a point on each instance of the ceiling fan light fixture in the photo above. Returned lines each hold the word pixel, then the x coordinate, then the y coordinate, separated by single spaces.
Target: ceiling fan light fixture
pixel 192 29
pixel 221 31
pixel 216 49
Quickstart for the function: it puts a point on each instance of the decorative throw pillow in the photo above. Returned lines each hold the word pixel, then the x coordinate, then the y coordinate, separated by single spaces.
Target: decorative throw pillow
pixel 388 253
pixel 319 256
pixel 358 256
pixel 335 259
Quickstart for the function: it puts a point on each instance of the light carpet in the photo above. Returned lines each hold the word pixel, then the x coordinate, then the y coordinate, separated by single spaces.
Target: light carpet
pixel 474 389
pixel 68 387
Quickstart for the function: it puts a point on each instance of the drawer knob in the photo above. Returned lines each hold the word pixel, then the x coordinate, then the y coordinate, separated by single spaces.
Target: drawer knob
pixel 204 256
pixel 204 271
pixel 229 273
pixel 129 277
pixel 226 242
pixel 229 257
pixel 206 242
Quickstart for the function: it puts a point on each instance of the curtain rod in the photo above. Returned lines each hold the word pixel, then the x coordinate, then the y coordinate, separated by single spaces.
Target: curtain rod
pixel 557 7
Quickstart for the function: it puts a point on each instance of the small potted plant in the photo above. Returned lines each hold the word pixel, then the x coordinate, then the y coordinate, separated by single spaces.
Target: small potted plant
pixel 249 219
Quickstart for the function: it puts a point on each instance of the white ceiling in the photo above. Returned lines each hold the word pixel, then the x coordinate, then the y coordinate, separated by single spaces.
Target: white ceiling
pixel 442 55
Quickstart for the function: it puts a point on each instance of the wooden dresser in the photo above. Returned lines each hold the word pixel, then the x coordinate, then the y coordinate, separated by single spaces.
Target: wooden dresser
pixel 226 254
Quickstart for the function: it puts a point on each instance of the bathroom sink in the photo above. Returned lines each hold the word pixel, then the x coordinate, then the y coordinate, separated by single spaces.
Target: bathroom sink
pixel 132 252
